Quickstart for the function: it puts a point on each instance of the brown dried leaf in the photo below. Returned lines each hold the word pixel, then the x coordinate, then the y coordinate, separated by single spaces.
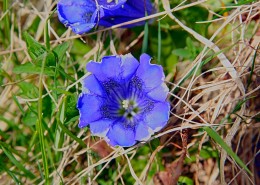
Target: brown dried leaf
pixel 173 170
pixel 101 148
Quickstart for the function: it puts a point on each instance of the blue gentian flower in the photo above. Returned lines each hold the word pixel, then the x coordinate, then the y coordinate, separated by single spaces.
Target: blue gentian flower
pixel 83 15
pixel 123 100
pixel 132 9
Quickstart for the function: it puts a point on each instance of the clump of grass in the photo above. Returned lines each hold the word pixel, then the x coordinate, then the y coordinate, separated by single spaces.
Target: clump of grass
pixel 211 60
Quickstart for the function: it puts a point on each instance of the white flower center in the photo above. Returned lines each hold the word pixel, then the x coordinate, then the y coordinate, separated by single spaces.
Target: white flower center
pixel 125 104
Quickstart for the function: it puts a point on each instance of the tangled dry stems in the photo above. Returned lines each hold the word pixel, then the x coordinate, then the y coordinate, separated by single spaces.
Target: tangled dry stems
pixel 202 100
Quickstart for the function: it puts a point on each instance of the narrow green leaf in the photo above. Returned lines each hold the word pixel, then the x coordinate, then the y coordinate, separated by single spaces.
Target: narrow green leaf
pixel 64 129
pixel 30 68
pixel 10 149
pixel 18 105
pixel 34 48
pixel 145 41
pixel 64 74
pixel 32 142
pixel 216 137
pixel 15 162
pixel 9 123
pixel 181 52
pixel 6 20
pixel 61 49
pixel 40 129
pixel 4 135
pixel 159 43
pixel 47 36
pixel 4 168
pixel 71 120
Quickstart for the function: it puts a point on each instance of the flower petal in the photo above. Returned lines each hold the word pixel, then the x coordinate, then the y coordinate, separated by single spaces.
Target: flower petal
pixel 120 103
pixel 159 93
pixel 100 127
pixel 114 67
pixel 142 132
pixel 158 117
pixel 129 66
pixel 108 68
pixel 81 21
pixel 89 109
pixel 118 135
pixel 130 10
pixel 81 28
pixel 111 4
pixel 151 74
pixel 92 86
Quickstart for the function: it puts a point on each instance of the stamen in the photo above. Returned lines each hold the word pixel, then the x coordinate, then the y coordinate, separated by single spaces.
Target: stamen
pixel 125 104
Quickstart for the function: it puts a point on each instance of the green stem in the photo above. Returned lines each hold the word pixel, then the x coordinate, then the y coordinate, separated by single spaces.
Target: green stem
pixel 159 43
pixel 39 126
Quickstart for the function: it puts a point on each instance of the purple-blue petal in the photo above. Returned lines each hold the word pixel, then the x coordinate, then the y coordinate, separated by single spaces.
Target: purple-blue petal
pixel 130 10
pixel 83 15
pixel 100 127
pixel 114 67
pixel 158 117
pixel 79 15
pixel 92 86
pixel 108 68
pixel 151 74
pixel 89 109
pixel 123 100
pixel 129 66
pixel 112 4
pixel 118 135
pixel 81 28
pixel 159 93
pixel 142 132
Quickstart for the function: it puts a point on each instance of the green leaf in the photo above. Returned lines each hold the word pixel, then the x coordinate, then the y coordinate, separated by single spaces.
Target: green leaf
pixel 79 48
pixel 40 126
pixel 71 120
pixel 34 48
pixel 69 133
pixel 51 60
pixel 182 53
pixel 171 63
pixel 4 168
pixel 15 162
pixel 28 90
pixel 64 74
pixel 192 48
pixel 71 103
pixel 216 137
pixel 30 118
pixel 32 69
pixel 61 49
pixel 145 41
pixel 10 123
pixel 4 135
pixel 159 51
pixel 185 180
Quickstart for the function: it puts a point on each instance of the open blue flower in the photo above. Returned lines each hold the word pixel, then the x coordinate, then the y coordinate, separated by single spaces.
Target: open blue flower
pixel 83 15
pixel 123 100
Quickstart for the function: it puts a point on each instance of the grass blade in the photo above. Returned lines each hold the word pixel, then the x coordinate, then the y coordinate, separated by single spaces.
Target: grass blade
pixel 159 43
pixel 216 137
pixel 16 162
pixel 39 127
pixel 145 41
